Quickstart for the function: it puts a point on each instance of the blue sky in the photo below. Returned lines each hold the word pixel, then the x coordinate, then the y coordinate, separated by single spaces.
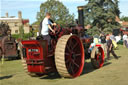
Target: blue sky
pixel 30 8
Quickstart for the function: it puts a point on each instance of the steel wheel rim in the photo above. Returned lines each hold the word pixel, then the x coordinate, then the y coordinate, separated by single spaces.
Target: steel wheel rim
pixel 99 56
pixel 74 56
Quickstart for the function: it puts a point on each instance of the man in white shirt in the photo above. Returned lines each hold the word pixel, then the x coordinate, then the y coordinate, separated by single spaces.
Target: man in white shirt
pixel 46 26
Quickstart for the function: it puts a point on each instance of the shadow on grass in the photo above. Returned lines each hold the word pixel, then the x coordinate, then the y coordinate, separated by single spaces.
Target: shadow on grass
pixel 89 68
pixel 6 77
pixel 112 57
pixel 51 76
pixel 11 58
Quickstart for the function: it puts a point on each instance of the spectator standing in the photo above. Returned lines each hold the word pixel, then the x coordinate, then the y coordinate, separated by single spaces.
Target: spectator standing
pixel 110 48
pixel 112 37
pixel 103 41
pixel 118 38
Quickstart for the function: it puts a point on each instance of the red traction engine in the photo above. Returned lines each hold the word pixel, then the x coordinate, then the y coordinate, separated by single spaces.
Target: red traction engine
pixel 67 55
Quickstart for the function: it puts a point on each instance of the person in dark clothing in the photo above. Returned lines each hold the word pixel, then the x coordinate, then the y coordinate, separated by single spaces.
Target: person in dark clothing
pixel 110 48
pixel 103 41
pixel 103 38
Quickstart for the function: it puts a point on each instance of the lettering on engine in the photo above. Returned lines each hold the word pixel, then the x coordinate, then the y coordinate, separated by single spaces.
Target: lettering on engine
pixel 33 50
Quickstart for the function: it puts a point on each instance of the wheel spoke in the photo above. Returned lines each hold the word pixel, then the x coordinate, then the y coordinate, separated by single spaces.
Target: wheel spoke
pixel 79 54
pixel 75 45
pixel 72 70
pixel 67 54
pixel 75 64
pixel 69 65
pixel 70 43
pixel 77 57
pixel 69 49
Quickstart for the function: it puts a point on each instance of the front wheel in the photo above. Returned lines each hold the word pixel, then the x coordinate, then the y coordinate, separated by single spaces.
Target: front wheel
pixel 97 57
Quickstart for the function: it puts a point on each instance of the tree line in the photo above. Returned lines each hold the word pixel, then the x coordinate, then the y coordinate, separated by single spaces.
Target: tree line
pixel 100 14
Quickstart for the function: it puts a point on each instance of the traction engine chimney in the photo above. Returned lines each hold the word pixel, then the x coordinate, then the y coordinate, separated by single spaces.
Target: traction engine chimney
pixel 81 16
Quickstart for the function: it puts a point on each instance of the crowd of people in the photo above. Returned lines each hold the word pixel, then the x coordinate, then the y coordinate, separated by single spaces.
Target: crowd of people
pixel 109 42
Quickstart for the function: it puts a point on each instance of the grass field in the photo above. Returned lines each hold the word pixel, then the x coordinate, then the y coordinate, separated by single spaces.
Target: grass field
pixel 114 72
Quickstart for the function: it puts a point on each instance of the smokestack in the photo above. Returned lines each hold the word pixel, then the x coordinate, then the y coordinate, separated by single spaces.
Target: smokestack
pixel 19 15
pixel 81 16
pixel 7 14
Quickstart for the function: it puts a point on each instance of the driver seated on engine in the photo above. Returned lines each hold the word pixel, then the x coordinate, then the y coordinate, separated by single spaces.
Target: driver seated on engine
pixel 46 26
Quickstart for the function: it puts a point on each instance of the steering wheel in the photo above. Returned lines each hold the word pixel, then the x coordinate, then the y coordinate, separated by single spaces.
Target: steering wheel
pixel 57 29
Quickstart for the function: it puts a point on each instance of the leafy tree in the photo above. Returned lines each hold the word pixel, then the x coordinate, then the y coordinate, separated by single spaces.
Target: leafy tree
pixel 60 14
pixel 124 18
pixel 21 32
pixel 101 15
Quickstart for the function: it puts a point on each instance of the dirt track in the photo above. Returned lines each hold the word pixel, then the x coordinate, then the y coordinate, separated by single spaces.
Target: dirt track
pixel 114 72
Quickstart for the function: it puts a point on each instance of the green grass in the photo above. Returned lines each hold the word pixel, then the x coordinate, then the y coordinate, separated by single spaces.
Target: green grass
pixel 114 72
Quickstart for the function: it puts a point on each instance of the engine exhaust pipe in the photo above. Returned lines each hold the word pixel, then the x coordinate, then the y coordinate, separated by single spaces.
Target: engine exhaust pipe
pixel 80 16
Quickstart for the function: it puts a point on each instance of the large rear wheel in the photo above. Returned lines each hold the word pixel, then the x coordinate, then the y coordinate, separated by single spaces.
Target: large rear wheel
pixel 69 56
